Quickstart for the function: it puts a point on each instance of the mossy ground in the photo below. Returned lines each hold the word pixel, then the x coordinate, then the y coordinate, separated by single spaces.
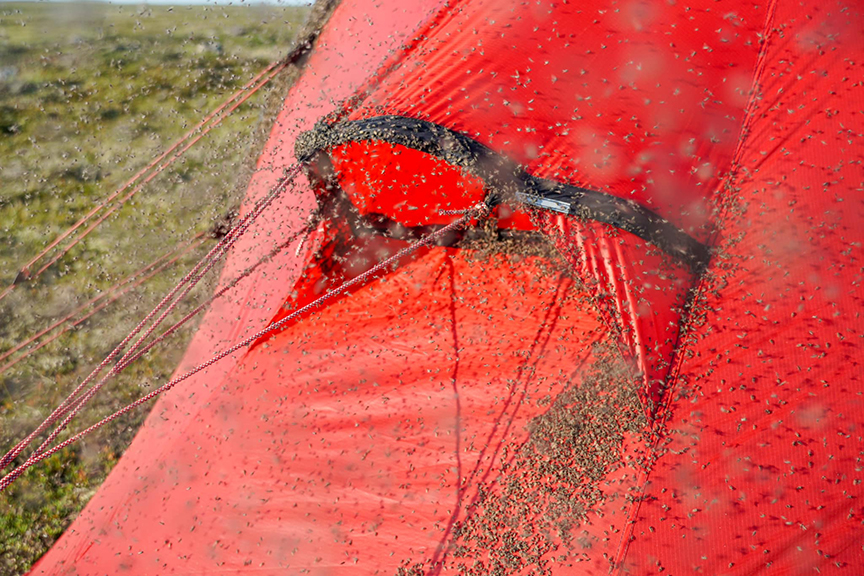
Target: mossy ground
pixel 88 94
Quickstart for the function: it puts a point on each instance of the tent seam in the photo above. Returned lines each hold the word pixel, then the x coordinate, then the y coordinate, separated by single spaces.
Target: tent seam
pixel 664 411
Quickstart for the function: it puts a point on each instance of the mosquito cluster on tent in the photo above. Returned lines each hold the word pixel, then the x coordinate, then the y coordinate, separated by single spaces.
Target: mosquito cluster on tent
pixel 527 288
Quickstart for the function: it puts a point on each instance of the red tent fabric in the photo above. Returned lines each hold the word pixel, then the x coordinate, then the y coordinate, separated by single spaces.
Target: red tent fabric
pixel 674 388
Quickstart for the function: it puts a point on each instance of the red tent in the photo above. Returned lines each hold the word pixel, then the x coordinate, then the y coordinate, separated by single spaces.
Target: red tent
pixel 648 360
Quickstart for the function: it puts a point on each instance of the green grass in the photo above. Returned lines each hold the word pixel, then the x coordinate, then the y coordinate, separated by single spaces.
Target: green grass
pixel 88 94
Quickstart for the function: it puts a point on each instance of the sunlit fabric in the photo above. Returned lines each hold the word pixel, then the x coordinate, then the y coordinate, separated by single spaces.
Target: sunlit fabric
pixel 648 361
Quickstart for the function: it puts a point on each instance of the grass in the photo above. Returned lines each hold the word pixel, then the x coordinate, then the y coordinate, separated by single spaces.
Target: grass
pixel 88 94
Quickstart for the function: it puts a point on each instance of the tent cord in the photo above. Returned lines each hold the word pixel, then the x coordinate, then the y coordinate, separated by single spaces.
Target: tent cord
pixel 193 136
pixel 103 299
pixel 478 211
pixel 72 403
pixel 302 233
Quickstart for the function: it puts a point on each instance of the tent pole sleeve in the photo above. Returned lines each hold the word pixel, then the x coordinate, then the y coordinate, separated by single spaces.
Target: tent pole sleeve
pixel 507 181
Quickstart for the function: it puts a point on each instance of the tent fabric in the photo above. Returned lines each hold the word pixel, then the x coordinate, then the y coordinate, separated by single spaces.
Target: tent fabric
pixel 599 102
pixel 499 406
pixel 762 463
pixel 341 449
